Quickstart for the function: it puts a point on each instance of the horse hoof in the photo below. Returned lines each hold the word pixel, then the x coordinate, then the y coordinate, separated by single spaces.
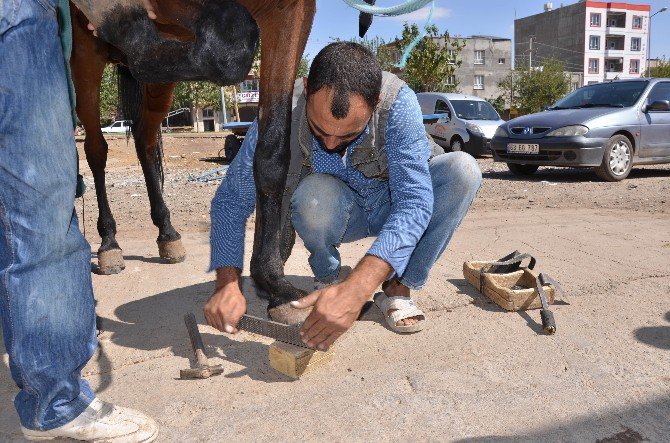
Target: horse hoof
pixel 110 262
pixel 289 315
pixel 171 251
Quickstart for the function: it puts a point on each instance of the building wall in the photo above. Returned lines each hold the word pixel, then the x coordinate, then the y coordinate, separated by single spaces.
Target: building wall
pixel 625 34
pixel 495 50
pixel 565 34
pixel 558 34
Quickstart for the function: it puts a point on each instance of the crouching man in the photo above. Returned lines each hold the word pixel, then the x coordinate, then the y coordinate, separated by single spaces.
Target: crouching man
pixel 362 165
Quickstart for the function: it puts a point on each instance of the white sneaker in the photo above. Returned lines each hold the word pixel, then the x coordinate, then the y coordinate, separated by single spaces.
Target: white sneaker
pixel 100 422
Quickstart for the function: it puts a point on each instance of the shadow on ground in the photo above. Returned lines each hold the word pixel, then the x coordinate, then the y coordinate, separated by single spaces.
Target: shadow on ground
pixel 656 336
pixel 646 421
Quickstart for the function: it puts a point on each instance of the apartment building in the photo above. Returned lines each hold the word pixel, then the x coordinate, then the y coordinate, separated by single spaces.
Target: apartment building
pixel 600 40
pixel 486 60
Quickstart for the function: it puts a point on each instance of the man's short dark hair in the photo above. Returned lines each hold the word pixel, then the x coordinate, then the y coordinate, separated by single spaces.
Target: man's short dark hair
pixel 348 68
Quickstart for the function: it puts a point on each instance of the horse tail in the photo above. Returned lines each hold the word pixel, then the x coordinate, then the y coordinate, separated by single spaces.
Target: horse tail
pixel 131 97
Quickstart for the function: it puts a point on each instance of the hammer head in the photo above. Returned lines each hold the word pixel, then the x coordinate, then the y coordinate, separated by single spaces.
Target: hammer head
pixel 201 372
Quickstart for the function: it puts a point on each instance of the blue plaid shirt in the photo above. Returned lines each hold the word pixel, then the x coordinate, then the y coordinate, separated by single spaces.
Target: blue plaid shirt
pixel 409 187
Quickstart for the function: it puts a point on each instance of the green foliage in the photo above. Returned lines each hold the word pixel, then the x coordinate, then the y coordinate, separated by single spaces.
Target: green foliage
pixel 662 70
pixel 380 49
pixel 109 95
pixel 197 94
pixel 498 104
pixel 432 61
pixel 530 90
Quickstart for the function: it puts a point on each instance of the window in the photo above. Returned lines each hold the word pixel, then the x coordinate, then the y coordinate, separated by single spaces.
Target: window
pixel 611 45
pixel 637 22
pixel 451 56
pixel 635 44
pixel 479 57
pixel 594 42
pixel 441 107
pixel 595 20
pixel 451 80
pixel 635 66
pixel 660 92
pixel 594 66
pixel 207 113
pixel 117 125
pixel 501 61
pixel 479 82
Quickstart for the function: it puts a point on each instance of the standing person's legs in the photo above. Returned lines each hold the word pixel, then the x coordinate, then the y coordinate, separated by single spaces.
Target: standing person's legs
pixel 456 179
pixel 46 296
pixel 325 214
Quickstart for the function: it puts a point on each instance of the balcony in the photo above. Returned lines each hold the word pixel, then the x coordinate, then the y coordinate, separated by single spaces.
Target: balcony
pixel 614 66
pixel 615 21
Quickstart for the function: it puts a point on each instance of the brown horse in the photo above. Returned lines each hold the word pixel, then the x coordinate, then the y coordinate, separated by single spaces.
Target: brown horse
pixel 194 40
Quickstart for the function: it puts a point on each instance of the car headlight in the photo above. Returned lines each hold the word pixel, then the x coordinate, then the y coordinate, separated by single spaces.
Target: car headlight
pixel 500 132
pixel 474 128
pixel 568 131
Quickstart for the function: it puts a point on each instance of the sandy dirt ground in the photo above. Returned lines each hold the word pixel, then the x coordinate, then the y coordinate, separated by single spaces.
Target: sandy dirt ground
pixel 476 373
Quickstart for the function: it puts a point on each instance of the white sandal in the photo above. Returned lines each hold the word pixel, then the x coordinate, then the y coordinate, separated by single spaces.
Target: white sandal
pixel 404 308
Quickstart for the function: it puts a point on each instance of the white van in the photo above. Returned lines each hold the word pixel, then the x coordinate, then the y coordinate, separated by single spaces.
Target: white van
pixel 468 124
pixel 118 127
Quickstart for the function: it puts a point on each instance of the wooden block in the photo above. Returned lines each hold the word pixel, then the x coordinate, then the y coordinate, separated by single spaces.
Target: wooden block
pixel 294 361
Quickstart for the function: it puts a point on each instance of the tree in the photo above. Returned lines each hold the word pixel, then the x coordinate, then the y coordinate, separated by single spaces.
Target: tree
pixel 662 70
pixel 433 62
pixel 109 95
pixel 498 104
pixel 381 50
pixel 529 90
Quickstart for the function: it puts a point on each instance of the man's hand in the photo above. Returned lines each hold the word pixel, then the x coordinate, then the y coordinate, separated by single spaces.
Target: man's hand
pixel 336 308
pixel 147 5
pixel 226 306
pixel 150 9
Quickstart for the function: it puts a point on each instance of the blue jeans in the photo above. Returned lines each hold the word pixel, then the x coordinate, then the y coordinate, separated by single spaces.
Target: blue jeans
pixel 326 212
pixel 46 295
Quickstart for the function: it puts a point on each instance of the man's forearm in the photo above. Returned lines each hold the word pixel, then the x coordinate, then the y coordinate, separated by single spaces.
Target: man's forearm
pixel 228 275
pixel 369 273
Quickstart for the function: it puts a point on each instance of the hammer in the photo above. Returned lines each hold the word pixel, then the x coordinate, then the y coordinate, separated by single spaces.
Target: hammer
pixel 203 369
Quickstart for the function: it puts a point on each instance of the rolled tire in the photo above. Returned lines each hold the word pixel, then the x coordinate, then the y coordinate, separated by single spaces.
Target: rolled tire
pixel 617 159
pixel 522 169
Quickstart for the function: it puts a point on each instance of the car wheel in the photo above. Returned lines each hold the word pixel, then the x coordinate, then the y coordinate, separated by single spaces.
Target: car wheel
pixel 617 159
pixel 456 144
pixel 522 169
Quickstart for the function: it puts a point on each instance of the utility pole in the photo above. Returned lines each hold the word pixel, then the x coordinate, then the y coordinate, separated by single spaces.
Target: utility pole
pixel 530 57
pixel 223 105
pixel 663 9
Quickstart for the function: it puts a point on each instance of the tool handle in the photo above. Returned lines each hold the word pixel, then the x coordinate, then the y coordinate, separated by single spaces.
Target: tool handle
pixel 548 322
pixel 196 339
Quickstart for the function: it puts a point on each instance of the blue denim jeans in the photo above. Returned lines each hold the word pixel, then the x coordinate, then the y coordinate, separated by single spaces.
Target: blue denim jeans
pixel 326 212
pixel 46 296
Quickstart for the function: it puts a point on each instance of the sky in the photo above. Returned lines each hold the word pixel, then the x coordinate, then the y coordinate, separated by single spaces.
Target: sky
pixel 335 19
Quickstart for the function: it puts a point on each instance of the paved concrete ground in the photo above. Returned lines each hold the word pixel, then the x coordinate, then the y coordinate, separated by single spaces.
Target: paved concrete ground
pixel 476 373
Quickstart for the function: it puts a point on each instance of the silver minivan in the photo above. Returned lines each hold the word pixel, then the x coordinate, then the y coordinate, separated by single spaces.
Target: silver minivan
pixel 468 123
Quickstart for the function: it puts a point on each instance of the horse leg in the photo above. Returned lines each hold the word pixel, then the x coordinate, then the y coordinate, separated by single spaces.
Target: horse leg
pixel 88 62
pixel 156 104
pixel 282 49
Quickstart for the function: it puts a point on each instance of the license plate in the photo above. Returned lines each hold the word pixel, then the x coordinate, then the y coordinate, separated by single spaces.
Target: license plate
pixel 523 148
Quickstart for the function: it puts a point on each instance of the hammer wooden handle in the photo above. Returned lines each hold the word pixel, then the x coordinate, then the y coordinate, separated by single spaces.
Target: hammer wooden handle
pixel 196 339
